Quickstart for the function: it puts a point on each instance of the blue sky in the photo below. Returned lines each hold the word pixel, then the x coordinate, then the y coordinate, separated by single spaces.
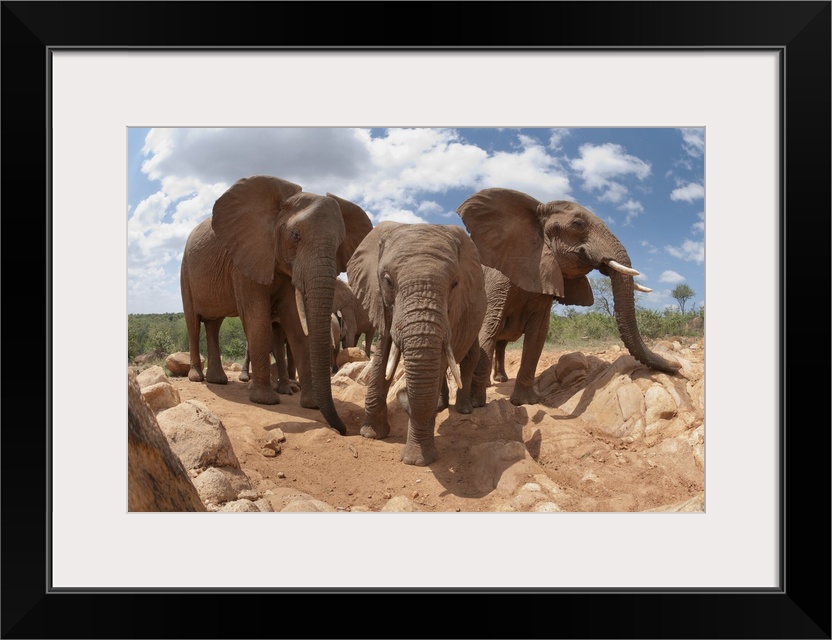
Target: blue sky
pixel 646 183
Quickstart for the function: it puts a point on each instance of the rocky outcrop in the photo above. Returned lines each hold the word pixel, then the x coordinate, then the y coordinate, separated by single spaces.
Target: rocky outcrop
pixel 156 478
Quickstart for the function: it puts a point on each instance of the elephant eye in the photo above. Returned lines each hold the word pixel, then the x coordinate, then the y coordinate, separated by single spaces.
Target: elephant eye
pixel 455 284
pixel 295 235
pixel 387 280
pixel 578 224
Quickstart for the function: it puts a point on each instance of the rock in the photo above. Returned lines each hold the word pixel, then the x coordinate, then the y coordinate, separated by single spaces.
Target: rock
pixel 179 363
pixel 197 436
pixel 351 354
pixel 151 375
pixel 214 487
pixel 156 478
pixel 161 396
pixel 239 506
pixel 308 505
pixel 400 504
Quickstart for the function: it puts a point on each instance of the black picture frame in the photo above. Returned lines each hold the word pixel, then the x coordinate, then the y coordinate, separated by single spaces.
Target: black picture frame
pixel 799 31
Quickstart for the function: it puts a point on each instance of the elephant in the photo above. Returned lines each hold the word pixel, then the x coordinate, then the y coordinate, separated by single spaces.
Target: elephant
pixel 534 254
pixel 270 248
pixel 422 286
pixel 284 362
pixel 336 328
pixel 355 319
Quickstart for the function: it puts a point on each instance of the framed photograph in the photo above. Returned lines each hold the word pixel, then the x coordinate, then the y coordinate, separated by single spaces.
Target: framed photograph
pixel 747 83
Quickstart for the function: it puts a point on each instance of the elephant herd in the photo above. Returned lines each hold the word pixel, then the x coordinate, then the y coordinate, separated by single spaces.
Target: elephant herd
pixel 440 298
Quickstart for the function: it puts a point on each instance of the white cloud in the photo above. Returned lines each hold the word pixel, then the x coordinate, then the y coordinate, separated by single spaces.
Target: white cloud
pixel 555 138
pixel 225 155
pixel 530 170
pixel 688 192
pixel 633 208
pixel 690 251
pixel 671 277
pixel 599 164
pixel 650 248
pixel 699 227
pixel 693 141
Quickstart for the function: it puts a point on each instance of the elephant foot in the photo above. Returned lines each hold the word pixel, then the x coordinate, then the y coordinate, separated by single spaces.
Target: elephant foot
pixel 464 404
pixel 307 400
pixel 523 395
pixel 442 404
pixel 195 375
pixel 478 398
pixel 376 431
pixel 419 455
pixel 500 377
pixel 217 378
pixel 244 377
pixel 284 387
pixel 260 395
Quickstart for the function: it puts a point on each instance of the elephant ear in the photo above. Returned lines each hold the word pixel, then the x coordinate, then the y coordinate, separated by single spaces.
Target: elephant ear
pixel 504 225
pixel 578 292
pixel 471 287
pixel 245 222
pixel 362 272
pixel 357 224
pixel 343 295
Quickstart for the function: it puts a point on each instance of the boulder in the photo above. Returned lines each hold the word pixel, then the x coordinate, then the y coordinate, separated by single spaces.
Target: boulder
pixel 161 396
pixel 179 363
pixel 156 478
pixel 197 436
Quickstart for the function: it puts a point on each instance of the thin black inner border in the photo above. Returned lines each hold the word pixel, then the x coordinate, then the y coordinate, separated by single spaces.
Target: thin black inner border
pixel 380 589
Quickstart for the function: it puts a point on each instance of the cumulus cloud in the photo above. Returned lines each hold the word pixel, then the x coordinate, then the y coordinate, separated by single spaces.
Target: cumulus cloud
pixel 690 251
pixel 693 141
pixel 699 227
pixel 688 192
pixel 600 165
pixel 671 277
pixel 555 138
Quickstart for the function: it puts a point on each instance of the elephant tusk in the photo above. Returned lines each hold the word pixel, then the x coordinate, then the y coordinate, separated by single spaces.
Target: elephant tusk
pixel 301 312
pixel 622 269
pixel 454 367
pixel 641 287
pixel 392 361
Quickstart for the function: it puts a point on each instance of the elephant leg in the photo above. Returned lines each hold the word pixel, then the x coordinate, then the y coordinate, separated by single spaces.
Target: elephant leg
pixel 464 403
pixel 291 369
pixel 282 384
pixel 298 344
pixel 482 370
pixel 193 324
pixel 444 396
pixel 376 424
pixel 258 332
pixel 244 376
pixel 500 361
pixel 215 372
pixel 368 343
pixel 533 341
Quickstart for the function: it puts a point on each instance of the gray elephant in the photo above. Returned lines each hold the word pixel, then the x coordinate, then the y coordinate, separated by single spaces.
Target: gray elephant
pixel 356 321
pixel 271 249
pixel 422 286
pixel 539 253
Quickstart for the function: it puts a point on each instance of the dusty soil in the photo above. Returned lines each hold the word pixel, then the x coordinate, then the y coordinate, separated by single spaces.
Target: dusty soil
pixel 564 454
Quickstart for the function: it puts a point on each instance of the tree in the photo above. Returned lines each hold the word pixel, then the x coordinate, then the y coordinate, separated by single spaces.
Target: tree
pixel 681 294
pixel 602 295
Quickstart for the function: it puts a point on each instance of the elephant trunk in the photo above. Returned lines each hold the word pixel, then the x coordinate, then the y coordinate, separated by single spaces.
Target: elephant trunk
pixel 423 367
pixel 424 340
pixel 625 317
pixel 319 288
